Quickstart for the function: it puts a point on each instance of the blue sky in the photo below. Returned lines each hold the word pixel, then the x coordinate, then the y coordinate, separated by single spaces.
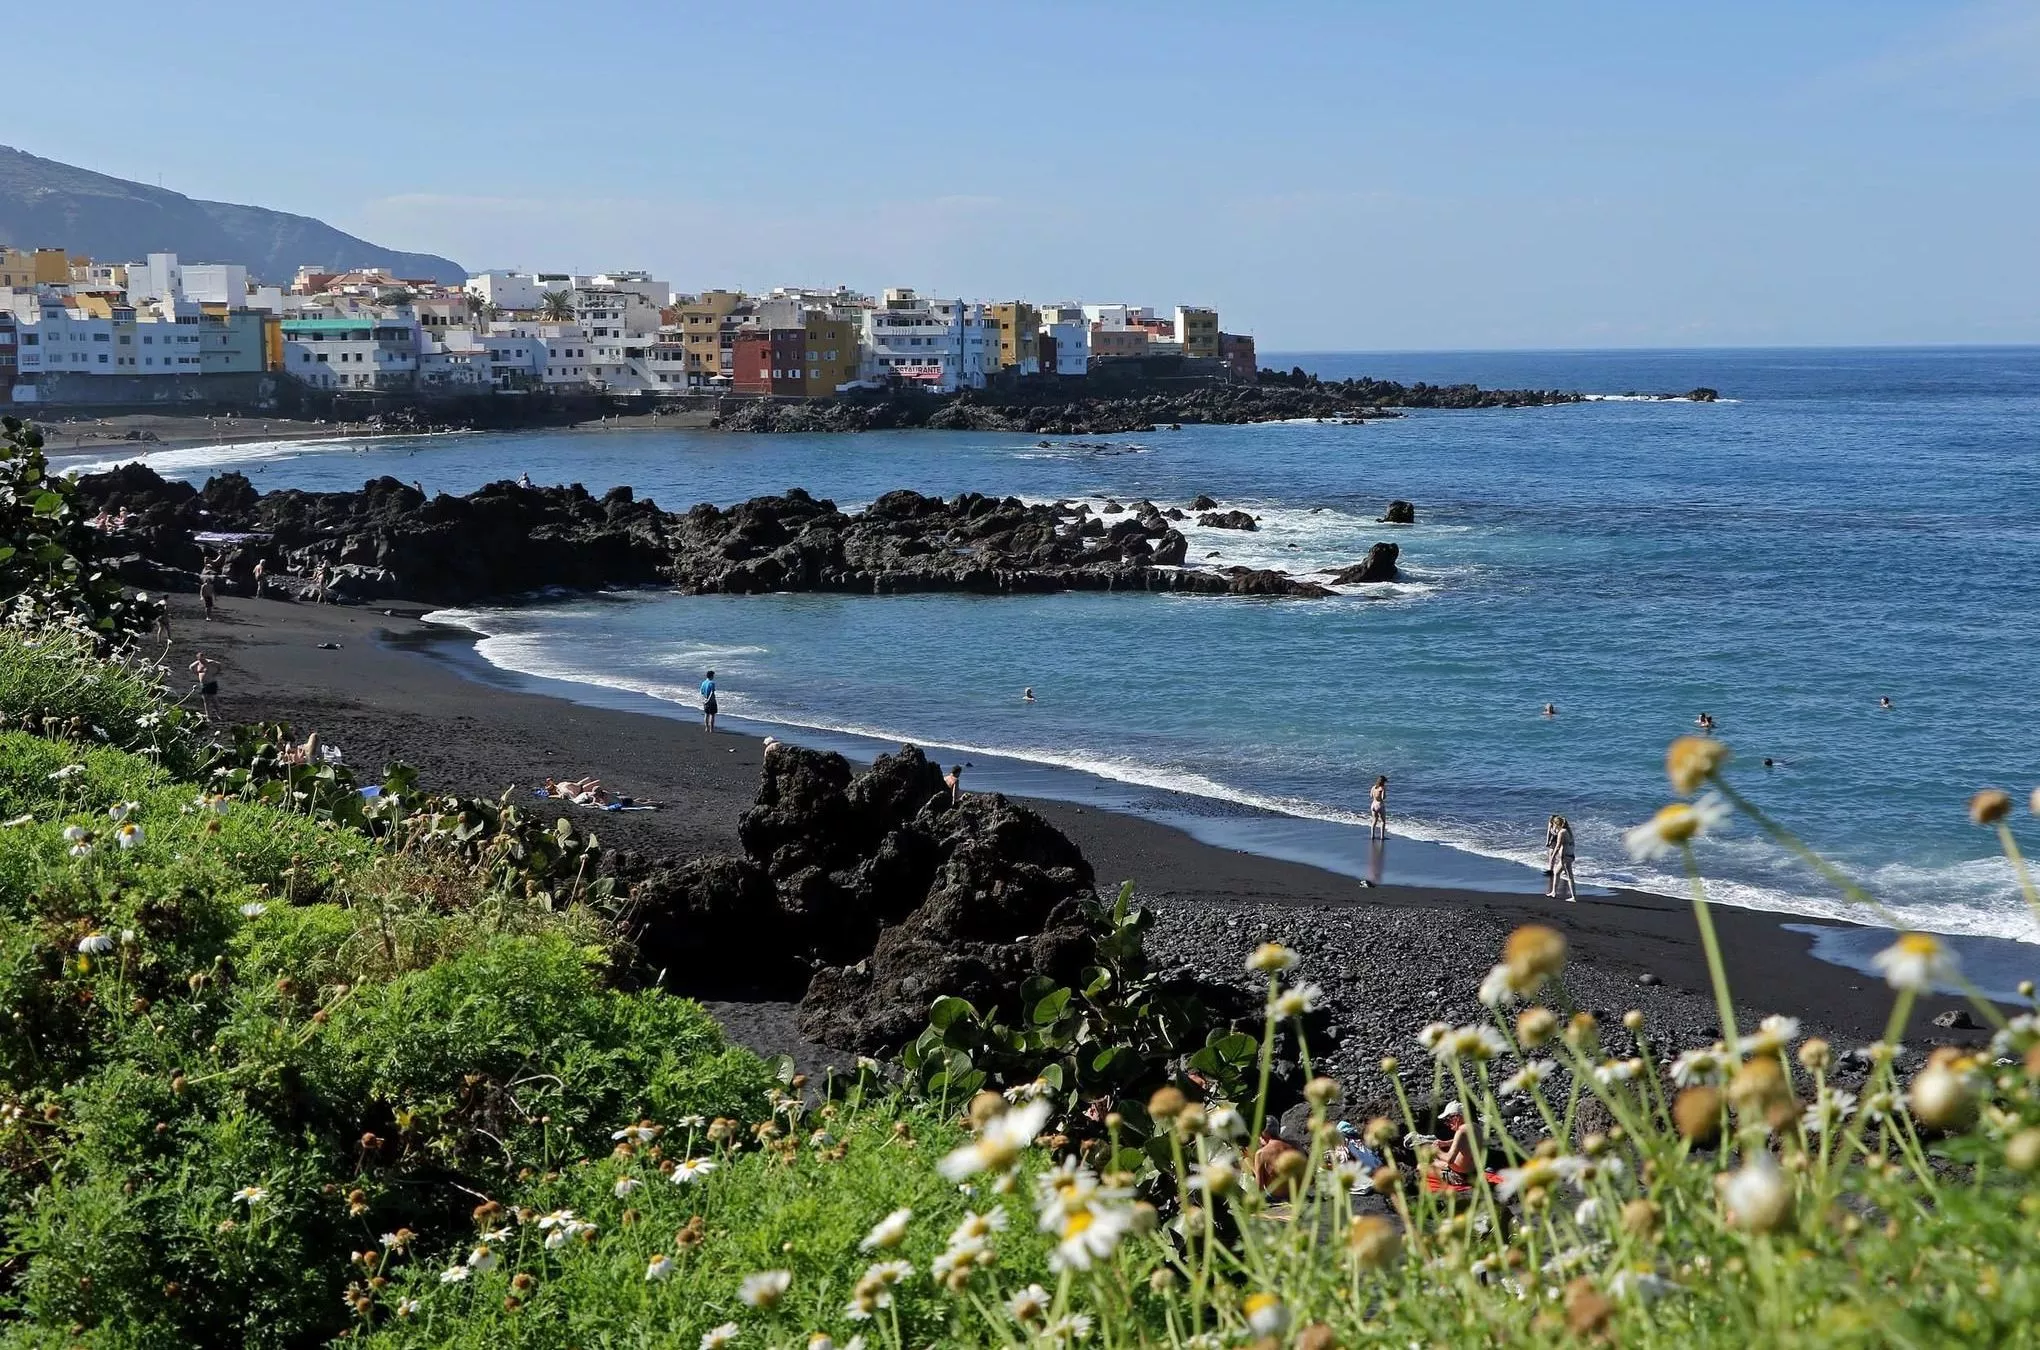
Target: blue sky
pixel 1333 175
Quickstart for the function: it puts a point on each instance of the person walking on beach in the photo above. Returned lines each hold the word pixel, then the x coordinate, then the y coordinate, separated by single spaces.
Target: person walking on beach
pixel 1561 861
pixel 208 685
pixel 708 702
pixel 259 570
pixel 1377 808
pixel 319 584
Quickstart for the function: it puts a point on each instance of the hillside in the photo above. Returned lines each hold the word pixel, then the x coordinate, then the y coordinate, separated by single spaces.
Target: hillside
pixel 46 204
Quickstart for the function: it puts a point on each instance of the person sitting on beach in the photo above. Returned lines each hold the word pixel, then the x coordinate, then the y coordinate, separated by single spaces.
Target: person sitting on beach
pixel 953 780
pixel 1267 1163
pixel 1454 1161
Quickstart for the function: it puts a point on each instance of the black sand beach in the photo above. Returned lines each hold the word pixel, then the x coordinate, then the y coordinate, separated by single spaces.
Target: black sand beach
pixel 1390 958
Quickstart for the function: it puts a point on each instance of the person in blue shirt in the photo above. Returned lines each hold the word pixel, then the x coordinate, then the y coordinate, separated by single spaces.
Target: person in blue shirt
pixel 708 702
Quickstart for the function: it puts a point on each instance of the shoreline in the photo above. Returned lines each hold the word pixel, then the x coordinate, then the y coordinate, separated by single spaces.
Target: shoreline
pixel 1392 957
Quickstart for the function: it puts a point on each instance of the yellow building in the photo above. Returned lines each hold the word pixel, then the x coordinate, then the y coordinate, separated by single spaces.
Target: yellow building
pixel 832 352
pixel 1019 336
pixel 17 268
pixel 1197 330
pixel 700 319
pixel 53 267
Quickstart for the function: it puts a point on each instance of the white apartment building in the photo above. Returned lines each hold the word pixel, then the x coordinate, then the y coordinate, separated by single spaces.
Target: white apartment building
pixel 369 352
pixel 1072 340
pixel 522 291
pixel 506 290
pixel 162 277
pixel 945 344
pixel 622 327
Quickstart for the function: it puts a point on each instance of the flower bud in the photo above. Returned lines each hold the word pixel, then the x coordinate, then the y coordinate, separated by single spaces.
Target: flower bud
pixel 1166 1102
pixel 1375 1241
pixel 1990 806
pixel 1321 1092
pixel 1535 1027
pixel 2022 1151
pixel 1943 1094
pixel 1816 1055
pixel 1697 1113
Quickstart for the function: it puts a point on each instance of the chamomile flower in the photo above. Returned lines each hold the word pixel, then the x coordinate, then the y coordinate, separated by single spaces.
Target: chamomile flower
pixel 1697 1067
pixel 1225 1122
pixel 1067 1329
pixel 1674 826
pixel 1772 1035
pixel 717 1337
pixel 1029 1305
pixel 1266 1314
pixel 95 944
pixel 765 1289
pixel 1297 1001
pixel 690 1170
pixel 1217 1175
pixel 1433 1035
pixel 408 1307
pixel 453 1274
pixel 1272 958
pixel 644 1132
pixel 1918 963
pixel 1692 760
pixel 128 835
pixel 977 1227
pixel 658 1268
pixel 1758 1195
pixel 559 1218
pixel 254 909
pixel 1498 988
pixel 251 1195
pixel 624 1186
pixel 483 1259
pixel 1829 1110
pixel 888 1232
pixel 1529 1076
pixel 999 1144
pixel 1476 1042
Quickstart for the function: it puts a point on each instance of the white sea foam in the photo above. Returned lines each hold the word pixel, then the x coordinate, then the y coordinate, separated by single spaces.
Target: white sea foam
pixel 186 460
pixel 1652 398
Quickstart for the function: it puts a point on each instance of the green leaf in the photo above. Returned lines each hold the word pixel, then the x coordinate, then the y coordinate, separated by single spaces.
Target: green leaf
pixel 947 1009
pixel 1051 1007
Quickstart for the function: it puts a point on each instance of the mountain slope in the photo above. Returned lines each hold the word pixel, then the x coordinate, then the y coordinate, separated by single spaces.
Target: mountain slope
pixel 44 204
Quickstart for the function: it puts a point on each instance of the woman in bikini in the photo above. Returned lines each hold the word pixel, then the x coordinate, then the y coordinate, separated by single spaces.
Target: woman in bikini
pixel 1377 808
pixel 1562 861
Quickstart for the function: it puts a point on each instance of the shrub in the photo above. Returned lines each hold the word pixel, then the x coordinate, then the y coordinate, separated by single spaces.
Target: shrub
pixel 50 568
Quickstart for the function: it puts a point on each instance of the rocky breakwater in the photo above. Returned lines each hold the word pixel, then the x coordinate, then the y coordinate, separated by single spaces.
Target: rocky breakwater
pixel 905 542
pixel 387 539
pixel 390 539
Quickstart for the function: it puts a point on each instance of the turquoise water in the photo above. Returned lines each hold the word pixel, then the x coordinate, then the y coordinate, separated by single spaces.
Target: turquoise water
pixel 1847 525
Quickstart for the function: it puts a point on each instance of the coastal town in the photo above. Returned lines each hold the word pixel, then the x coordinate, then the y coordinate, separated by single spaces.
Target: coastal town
pixel 74 331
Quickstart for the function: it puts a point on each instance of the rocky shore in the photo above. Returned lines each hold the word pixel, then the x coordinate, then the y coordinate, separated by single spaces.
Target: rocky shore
pixel 1046 411
pixel 390 539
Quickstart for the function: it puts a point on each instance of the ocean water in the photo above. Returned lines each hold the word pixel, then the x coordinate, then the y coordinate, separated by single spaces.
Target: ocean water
pixel 1844 525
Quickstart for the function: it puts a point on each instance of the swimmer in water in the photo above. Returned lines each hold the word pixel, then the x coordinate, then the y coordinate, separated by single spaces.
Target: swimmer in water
pixel 1705 721
pixel 1884 704
pixel 1551 710
pixel 1027 694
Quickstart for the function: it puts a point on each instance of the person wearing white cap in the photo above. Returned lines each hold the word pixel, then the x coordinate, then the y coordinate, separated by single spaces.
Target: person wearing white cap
pixel 1455 1162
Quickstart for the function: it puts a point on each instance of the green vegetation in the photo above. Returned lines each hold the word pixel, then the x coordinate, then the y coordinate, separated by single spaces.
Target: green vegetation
pixel 48 568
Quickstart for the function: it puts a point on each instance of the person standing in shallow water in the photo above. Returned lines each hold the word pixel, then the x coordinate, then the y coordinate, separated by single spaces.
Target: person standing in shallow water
pixel 1377 808
pixel 1561 860
pixel 708 702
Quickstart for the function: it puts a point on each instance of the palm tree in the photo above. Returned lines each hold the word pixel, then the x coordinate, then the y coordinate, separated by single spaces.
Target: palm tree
pixel 558 304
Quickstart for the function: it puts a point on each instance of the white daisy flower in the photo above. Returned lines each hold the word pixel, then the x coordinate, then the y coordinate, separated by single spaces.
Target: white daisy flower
pixel 1919 963
pixel 718 1337
pixel 1529 1076
pixel 690 1170
pixel 658 1268
pixel 128 835
pixel 1675 826
pixel 251 1195
pixel 1829 1110
pixel 254 909
pixel 1029 1305
pixel 453 1274
pixel 765 1289
pixel 483 1259
pixel 624 1186
pixel 1696 1067
pixel 95 944
pixel 1297 1001
pixel 999 1144
pixel 888 1232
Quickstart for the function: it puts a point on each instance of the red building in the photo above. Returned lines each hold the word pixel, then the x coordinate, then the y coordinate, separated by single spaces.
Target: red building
pixel 1238 354
pixel 769 362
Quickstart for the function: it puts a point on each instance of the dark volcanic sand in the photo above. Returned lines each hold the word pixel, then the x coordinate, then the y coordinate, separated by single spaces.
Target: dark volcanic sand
pixel 1390 958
